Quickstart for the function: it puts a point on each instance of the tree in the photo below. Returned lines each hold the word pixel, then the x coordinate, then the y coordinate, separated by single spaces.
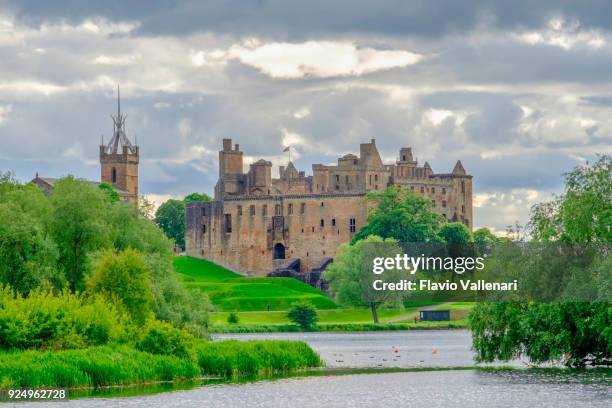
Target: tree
pixel 350 278
pixel 455 233
pixel 28 255
pixel 170 217
pixel 484 236
pixel 109 190
pixel 232 318
pixel 577 333
pixel 123 277
pixel 146 208
pixel 202 197
pixel 401 214
pixel 78 226
pixel 303 314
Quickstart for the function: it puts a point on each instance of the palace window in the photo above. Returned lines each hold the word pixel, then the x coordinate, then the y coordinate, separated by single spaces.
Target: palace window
pixel 352 225
pixel 346 179
pixel 337 178
pixel 277 209
pixel 333 222
pixel 203 211
pixel 252 210
pixel 376 177
pixel 422 190
pixel 290 209
pixel 264 209
pixel 433 190
pixel 228 223
pixel 302 208
pixel 412 188
pixel 322 203
pixel 443 190
pixel 444 203
pixel 114 175
pixel 463 186
pixel 463 208
pixel 433 203
pixel 239 210
pixel 203 228
pixel 322 223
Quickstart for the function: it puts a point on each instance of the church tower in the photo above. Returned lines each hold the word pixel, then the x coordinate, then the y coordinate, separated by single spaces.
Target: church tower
pixel 119 159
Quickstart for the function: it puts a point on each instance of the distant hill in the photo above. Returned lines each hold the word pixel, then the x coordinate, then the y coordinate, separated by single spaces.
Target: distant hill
pixel 232 292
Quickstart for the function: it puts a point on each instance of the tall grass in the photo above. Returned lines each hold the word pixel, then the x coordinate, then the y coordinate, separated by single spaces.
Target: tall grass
pixel 235 358
pixel 94 367
pixel 122 365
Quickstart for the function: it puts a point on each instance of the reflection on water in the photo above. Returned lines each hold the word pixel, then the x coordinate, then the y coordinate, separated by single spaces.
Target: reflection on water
pixel 440 388
pixel 376 369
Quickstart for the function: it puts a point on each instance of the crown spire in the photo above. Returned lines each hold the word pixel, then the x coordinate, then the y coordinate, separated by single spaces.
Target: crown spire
pixel 119 141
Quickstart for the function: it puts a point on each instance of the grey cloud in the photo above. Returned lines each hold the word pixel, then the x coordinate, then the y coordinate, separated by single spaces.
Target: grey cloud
pixel 294 19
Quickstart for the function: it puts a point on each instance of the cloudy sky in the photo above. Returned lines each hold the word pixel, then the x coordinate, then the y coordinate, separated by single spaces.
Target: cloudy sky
pixel 519 91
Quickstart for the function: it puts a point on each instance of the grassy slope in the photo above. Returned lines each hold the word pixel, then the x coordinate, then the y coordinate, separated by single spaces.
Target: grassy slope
pixel 230 291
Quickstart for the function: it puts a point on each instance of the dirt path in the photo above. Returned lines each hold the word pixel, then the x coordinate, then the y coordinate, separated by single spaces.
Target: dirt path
pixel 416 314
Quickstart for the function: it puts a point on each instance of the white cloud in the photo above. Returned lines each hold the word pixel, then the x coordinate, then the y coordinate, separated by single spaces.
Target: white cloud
pixel 319 59
pixel 301 113
pixel 564 34
pixel 114 60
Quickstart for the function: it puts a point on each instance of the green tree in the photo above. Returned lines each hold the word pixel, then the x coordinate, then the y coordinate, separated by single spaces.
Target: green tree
pixel 28 255
pixel 109 190
pixel 232 318
pixel 303 314
pixel 484 236
pixel 123 277
pixel 203 197
pixel 575 333
pixel 455 233
pixel 170 217
pixel 401 214
pixel 350 280
pixel 78 226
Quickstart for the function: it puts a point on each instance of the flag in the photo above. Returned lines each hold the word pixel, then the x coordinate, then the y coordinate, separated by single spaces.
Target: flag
pixel 286 149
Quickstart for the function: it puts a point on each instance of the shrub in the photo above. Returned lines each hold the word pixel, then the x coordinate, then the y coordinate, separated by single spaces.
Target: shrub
pixel 123 277
pixel 232 318
pixel 63 321
pixel 163 338
pixel 304 315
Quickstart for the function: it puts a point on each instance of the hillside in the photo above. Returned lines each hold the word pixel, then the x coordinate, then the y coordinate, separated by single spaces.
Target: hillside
pixel 232 292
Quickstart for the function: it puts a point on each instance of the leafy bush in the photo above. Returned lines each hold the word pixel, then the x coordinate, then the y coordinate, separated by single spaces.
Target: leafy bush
pixel 123 277
pixel 162 338
pixel 304 315
pixel 232 318
pixel 44 320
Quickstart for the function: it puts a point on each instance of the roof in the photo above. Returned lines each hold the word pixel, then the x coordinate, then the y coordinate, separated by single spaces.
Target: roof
pixel 50 181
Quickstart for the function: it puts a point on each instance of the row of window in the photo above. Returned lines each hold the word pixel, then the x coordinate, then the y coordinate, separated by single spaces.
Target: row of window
pixel 228 224
pixel 432 189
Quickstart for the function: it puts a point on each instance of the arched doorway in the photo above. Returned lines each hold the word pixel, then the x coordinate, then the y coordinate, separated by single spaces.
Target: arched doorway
pixel 279 251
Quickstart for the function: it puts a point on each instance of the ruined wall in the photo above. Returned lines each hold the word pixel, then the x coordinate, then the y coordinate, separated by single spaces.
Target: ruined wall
pixel 310 227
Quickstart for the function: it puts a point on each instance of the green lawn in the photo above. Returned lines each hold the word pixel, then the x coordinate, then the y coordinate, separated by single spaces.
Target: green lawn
pixel 232 292
pixel 335 316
